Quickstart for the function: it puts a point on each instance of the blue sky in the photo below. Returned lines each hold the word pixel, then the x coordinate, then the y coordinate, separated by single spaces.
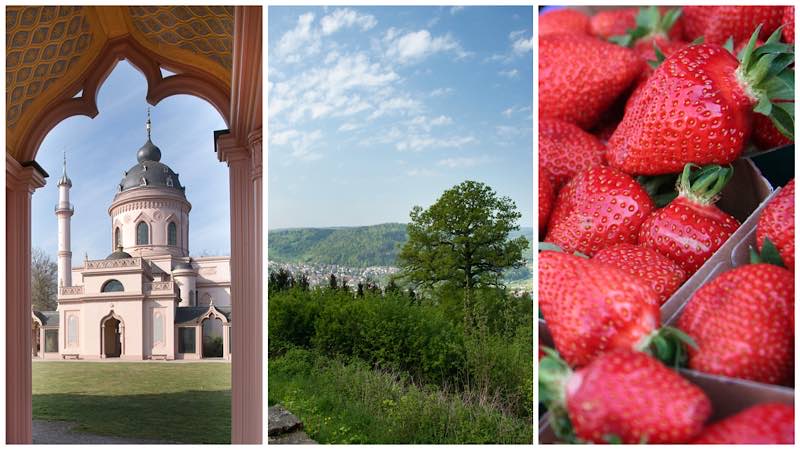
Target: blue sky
pixel 99 150
pixel 374 110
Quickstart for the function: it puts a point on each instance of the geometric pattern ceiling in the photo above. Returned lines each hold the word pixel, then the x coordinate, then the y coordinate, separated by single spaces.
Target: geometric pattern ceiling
pixel 51 50
pixel 202 30
pixel 42 44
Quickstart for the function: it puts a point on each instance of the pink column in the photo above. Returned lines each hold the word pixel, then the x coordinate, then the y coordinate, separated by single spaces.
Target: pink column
pixel 246 305
pixel 21 181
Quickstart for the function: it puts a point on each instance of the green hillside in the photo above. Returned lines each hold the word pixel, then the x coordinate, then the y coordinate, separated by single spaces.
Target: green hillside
pixel 374 245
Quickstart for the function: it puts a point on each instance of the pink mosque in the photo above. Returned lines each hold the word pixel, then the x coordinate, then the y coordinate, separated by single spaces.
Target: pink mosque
pixel 148 299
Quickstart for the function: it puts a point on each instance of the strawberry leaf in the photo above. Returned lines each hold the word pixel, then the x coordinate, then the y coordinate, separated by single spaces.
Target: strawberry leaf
pixel 769 254
pixel 728 44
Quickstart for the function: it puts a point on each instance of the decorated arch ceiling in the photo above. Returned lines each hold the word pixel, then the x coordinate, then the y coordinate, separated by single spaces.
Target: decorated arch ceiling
pixel 54 53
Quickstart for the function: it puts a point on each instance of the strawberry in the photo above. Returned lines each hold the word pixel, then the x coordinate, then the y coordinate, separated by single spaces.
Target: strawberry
pixel 788 24
pixel 546 197
pixel 565 149
pixel 765 135
pixel 690 228
pixel 767 423
pixel 613 22
pixel 646 264
pixel 717 23
pixel 598 208
pixel 591 307
pixel 581 76
pixel 742 324
pixel 697 107
pixel 616 22
pixel 777 224
pixel 563 20
pixel 624 397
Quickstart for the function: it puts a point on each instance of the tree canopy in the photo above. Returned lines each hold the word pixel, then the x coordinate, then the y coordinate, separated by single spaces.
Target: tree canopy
pixel 462 239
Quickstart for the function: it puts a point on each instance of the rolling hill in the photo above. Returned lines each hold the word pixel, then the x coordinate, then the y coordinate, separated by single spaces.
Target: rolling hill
pixel 373 245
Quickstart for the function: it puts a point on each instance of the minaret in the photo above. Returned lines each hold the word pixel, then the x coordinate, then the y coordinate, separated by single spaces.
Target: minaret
pixel 64 212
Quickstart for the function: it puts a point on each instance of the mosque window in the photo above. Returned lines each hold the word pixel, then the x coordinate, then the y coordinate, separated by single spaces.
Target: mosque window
pixel 72 331
pixel 51 341
pixel 172 234
pixel 186 340
pixel 112 286
pixel 169 182
pixel 117 238
pixel 142 234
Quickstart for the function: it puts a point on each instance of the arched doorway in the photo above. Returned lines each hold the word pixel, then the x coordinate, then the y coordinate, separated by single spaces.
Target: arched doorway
pixel 212 338
pixel 112 338
pixel 235 92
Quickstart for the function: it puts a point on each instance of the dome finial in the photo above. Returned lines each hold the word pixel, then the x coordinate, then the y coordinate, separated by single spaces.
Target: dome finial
pixel 64 178
pixel 147 126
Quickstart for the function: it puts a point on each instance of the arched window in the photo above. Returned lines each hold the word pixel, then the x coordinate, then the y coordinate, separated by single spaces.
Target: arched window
pixel 172 234
pixel 142 234
pixel 117 238
pixel 112 286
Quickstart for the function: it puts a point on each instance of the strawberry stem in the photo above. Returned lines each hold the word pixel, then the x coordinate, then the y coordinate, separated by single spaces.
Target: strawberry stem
pixel 766 74
pixel 554 373
pixel 769 254
pixel 704 184
pixel 668 345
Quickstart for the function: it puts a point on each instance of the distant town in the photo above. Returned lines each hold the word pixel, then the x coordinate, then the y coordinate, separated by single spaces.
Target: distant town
pixel 319 274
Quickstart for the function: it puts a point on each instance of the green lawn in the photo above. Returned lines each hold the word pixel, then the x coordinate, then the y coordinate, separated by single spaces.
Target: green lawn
pixel 183 402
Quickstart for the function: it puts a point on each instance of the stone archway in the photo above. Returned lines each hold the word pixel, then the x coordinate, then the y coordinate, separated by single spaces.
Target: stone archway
pixel 37 347
pixel 235 91
pixel 212 331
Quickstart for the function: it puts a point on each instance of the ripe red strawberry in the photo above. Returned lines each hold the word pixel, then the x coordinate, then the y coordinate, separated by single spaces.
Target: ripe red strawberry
pixel 616 22
pixel 565 149
pixel 690 228
pixel 591 307
pixel 624 397
pixel 598 208
pixel 613 22
pixel 697 108
pixel 565 20
pixel 788 24
pixel 765 135
pixel 717 23
pixel 767 423
pixel 742 324
pixel 646 264
pixel 777 224
pixel 546 196
pixel 581 76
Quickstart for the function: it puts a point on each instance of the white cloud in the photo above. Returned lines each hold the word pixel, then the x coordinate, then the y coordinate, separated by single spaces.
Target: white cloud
pixel 416 143
pixel 417 45
pixel 522 45
pixel 395 104
pixel 300 39
pixel 344 18
pixel 514 35
pixel 510 111
pixel 441 120
pixel 512 73
pixel 440 92
pixel 349 126
pixel 282 137
pixel 456 9
pixel 420 173
pixel 464 162
pixel 302 148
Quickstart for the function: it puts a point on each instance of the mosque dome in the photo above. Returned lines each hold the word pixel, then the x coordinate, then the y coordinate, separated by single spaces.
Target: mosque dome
pixel 119 254
pixel 149 171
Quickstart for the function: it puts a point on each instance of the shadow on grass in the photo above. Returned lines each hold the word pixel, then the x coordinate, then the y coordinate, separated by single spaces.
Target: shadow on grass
pixel 188 417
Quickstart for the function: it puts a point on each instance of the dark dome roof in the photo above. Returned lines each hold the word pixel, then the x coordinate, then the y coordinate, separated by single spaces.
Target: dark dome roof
pixel 119 254
pixel 183 266
pixel 148 152
pixel 150 173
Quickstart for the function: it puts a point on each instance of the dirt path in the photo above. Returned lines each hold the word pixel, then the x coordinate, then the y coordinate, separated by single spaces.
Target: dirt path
pixel 58 432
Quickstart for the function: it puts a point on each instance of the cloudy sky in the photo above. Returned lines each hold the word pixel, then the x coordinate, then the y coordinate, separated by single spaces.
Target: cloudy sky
pixel 375 110
pixel 99 150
